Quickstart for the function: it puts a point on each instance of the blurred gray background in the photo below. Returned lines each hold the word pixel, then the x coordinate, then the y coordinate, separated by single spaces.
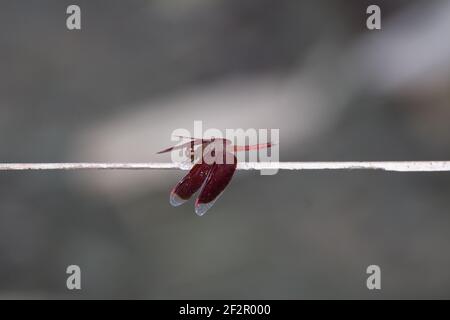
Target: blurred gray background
pixel 137 70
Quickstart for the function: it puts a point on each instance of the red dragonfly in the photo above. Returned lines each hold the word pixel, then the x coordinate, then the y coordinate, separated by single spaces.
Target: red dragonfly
pixel 215 166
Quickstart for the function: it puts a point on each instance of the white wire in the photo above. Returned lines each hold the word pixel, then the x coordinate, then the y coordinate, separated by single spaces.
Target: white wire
pixel 403 166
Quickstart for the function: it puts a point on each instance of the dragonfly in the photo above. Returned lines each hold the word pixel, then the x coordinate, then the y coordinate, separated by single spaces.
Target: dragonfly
pixel 215 164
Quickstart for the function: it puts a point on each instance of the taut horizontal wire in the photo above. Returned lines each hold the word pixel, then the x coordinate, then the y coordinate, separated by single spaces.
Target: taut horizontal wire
pixel 402 166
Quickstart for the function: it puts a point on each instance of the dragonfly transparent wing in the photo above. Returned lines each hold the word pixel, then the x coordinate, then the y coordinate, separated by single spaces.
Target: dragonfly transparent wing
pixel 190 184
pixel 218 179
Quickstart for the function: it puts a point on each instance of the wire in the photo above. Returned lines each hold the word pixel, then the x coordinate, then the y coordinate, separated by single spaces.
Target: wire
pixel 402 166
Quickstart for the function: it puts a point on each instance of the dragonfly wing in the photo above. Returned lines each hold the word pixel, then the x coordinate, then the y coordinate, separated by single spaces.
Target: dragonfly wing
pixel 177 147
pixel 190 144
pixel 192 138
pixel 190 184
pixel 218 178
